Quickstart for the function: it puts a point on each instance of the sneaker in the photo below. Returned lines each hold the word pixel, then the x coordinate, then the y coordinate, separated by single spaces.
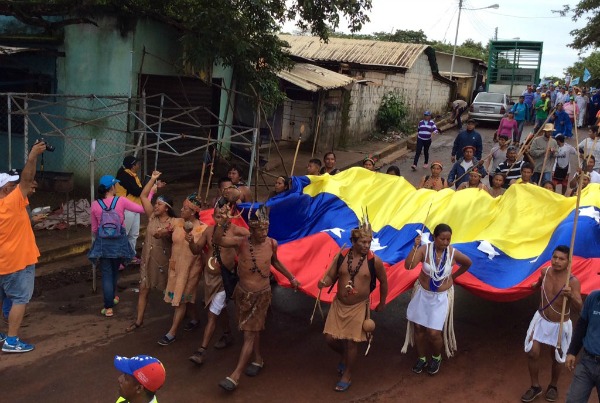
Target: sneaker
pixel 434 366
pixel 116 300
pixel 531 394
pixel 191 325
pixel 17 347
pixel 551 393
pixel 425 166
pixel 419 366
pixel 413 167
pixel 225 341
pixel 165 341
pixel 108 312
pixel 198 357
pixel 2 337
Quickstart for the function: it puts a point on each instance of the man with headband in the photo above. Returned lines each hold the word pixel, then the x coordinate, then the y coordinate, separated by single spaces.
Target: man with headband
pixel 355 270
pixel 252 295
pixel 220 260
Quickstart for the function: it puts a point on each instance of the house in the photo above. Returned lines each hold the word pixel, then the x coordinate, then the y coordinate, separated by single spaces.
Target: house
pixel 468 73
pixel 105 82
pixel 348 114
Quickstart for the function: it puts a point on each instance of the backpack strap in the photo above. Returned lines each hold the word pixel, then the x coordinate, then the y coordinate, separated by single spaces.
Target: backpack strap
pixel 114 203
pixel 102 204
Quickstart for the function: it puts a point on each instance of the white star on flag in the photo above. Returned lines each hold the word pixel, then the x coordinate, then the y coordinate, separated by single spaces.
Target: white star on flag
pixel 335 231
pixel 590 212
pixel 488 249
pixel 375 245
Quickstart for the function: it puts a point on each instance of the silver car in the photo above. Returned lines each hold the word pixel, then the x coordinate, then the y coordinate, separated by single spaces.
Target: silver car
pixel 489 106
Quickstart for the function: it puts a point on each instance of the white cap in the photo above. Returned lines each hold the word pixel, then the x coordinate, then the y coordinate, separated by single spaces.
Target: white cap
pixel 5 178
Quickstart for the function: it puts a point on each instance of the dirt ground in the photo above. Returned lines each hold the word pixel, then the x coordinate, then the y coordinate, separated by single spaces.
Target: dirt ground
pixel 75 347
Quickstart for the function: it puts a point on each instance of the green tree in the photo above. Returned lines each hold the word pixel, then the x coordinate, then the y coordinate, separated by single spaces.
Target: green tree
pixel 592 63
pixel 588 36
pixel 241 34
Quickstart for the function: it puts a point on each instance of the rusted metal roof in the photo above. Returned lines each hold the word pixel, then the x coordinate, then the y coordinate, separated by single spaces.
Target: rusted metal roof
pixel 314 78
pixel 360 51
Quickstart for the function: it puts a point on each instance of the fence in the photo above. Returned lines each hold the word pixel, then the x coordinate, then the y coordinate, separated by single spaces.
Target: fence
pixel 91 135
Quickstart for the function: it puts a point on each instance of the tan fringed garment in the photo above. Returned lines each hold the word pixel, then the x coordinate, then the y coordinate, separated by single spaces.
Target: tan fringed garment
pixel 345 322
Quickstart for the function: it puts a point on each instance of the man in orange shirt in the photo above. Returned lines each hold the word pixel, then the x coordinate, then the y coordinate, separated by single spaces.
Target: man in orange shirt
pixel 18 251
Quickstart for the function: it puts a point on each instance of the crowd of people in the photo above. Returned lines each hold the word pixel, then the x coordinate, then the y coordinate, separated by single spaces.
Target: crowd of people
pixel 234 263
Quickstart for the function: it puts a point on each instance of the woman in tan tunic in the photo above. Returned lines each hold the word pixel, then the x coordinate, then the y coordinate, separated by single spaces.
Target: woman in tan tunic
pixel 156 251
pixel 184 267
pixel 435 181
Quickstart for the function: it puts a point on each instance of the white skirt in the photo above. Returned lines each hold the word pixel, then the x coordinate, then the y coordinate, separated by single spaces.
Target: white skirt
pixel 428 308
pixel 546 332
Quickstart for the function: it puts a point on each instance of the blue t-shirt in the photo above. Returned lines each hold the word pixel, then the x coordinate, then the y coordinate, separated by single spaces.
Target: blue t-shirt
pixel 520 111
pixel 591 314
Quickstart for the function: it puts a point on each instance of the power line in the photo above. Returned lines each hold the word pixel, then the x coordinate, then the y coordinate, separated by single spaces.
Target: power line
pixel 448 27
pixel 521 16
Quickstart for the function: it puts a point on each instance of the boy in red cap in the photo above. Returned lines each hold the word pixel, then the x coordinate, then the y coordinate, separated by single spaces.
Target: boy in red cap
pixel 141 377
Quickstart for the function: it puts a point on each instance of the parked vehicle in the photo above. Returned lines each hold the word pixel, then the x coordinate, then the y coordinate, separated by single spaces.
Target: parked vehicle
pixel 489 106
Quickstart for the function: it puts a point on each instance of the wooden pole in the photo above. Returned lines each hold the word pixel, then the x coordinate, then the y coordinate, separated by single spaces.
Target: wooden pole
pixel 422 229
pixel 318 301
pixel 571 248
pixel 297 149
pixel 212 166
pixel 544 164
pixel 203 166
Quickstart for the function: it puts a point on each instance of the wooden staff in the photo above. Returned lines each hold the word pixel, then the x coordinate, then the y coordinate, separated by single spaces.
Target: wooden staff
pixel 318 301
pixel 297 149
pixel 212 166
pixel 422 229
pixel 203 166
pixel 544 164
pixel 316 136
pixel 571 247
pixel 473 167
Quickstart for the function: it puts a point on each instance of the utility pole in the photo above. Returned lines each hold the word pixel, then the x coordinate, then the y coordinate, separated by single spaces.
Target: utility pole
pixel 460 3
pixel 496 34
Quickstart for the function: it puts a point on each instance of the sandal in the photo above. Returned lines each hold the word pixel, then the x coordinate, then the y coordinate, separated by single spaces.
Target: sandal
pixel 228 384
pixel 134 326
pixel 342 386
pixel 116 300
pixel 198 357
pixel 108 312
pixel 254 368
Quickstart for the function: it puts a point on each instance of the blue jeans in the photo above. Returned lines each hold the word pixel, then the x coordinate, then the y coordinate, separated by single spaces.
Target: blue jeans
pixel 586 377
pixel 535 178
pixel 517 135
pixel 110 276
pixel 6 305
pixel 18 286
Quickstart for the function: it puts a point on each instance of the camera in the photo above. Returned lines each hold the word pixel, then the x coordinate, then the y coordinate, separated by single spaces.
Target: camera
pixel 49 147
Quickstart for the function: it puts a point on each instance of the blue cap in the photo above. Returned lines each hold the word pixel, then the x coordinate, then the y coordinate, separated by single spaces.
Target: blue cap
pixel 427 113
pixel 108 181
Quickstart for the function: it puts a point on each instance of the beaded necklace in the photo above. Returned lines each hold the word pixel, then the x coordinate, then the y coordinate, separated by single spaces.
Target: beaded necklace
pixel 255 268
pixel 353 272
pixel 216 248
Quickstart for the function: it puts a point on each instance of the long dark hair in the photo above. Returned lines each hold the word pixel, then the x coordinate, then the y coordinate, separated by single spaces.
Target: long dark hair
pixel 441 228
pixel 169 201
pixel 102 190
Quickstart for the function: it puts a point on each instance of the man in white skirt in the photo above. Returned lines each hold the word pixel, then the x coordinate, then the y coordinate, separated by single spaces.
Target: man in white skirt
pixel 545 325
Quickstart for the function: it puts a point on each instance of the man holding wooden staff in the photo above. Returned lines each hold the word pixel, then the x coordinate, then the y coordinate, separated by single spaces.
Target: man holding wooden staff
pixel 355 270
pixel 545 327
pixel 543 152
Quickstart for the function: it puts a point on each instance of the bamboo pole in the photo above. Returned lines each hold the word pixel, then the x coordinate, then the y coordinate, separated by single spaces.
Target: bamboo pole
pixel 318 301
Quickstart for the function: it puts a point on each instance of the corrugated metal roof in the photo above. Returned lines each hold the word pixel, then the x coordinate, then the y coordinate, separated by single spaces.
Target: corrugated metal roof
pixel 359 51
pixel 10 50
pixel 314 78
pixel 455 74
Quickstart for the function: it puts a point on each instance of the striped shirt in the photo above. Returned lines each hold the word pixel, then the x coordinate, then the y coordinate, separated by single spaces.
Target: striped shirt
pixel 515 172
pixel 426 129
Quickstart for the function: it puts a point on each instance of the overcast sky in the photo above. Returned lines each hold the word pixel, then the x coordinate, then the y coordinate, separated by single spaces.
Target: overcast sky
pixel 530 20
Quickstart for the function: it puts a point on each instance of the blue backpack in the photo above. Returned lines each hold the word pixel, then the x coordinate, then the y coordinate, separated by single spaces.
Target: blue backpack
pixel 110 221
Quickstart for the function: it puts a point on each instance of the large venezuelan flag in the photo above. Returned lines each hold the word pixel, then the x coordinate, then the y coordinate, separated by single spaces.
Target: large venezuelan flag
pixel 314 219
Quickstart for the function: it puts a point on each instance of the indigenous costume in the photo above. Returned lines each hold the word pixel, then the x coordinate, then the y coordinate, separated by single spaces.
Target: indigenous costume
pixel 345 322
pixel 155 255
pixel 184 266
pixel 214 293
pixel 432 309
pixel 252 307
pixel 546 332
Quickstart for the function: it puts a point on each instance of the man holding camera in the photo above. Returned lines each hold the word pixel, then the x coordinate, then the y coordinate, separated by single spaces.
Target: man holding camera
pixel 18 251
